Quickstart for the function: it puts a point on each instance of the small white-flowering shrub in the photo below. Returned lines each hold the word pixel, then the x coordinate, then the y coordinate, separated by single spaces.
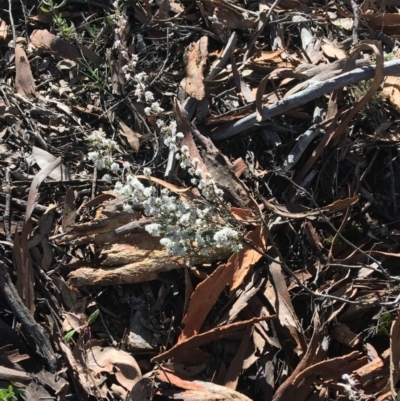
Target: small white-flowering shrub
pixel 187 228
pixel 203 227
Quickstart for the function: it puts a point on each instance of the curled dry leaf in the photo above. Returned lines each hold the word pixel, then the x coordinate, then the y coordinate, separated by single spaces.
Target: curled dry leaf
pixel 44 158
pixel 34 189
pixel 114 361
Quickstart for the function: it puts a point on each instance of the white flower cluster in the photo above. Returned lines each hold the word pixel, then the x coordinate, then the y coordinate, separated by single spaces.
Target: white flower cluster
pixel 102 157
pixel 130 66
pixel 140 88
pixel 154 109
pixel 171 137
pixel 187 229
pixel 349 388
pixel 121 22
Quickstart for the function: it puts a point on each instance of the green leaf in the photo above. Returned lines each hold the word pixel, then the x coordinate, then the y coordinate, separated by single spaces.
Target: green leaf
pixel 69 335
pixel 93 316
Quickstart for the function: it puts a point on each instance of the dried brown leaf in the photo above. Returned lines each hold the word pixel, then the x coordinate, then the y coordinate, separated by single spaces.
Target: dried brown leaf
pixel 280 300
pixel 247 257
pixel 314 354
pixel 388 23
pixel 131 136
pixel 198 390
pixel 208 291
pixel 43 39
pixel 24 81
pixel 333 51
pixel 142 390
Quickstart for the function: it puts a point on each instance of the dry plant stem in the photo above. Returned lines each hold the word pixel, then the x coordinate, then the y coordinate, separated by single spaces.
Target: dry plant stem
pixel 7 214
pixel 23 6
pixel 43 346
pixel 12 21
pixel 165 62
pixel 94 182
pixel 113 342
pixel 21 204
pixel 392 183
pixel 298 99
pixel 356 22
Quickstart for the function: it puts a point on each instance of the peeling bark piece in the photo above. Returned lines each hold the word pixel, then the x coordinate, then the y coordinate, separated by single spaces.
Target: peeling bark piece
pixel 370 375
pixel 24 81
pixel 137 259
pixel 196 59
pixel 127 274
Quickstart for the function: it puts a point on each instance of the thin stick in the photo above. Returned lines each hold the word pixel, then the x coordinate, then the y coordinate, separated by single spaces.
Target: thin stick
pixel 356 22
pixel 315 90
pixel 7 214
pixel 12 21
pixel 20 311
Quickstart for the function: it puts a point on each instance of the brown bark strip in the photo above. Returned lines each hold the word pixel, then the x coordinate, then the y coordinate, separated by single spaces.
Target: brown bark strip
pixel 196 59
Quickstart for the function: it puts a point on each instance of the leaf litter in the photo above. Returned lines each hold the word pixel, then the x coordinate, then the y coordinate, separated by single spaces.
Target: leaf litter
pixel 293 108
